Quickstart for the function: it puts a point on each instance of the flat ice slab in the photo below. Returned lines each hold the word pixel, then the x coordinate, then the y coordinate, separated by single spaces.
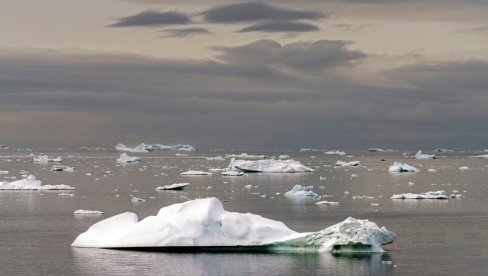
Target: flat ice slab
pixel 44 159
pixel 204 223
pixel 82 212
pixel 196 173
pixel 154 147
pixel 340 163
pixel 401 168
pixel 125 158
pixel 426 195
pixel 175 186
pixel 267 166
pixel 420 156
pixel 31 183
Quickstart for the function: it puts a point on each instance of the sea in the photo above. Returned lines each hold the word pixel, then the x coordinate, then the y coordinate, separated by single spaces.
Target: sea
pixel 434 237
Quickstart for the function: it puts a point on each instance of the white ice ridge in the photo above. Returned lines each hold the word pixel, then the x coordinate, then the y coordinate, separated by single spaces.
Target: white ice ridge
pixel 420 156
pixel 191 172
pixel 301 191
pixel 31 183
pixel 175 186
pixel 245 155
pixel 125 158
pixel 427 195
pixel 154 147
pixel 340 163
pixel 335 152
pixel 267 166
pixel 400 167
pixel 44 159
pixel 87 212
pixel 205 223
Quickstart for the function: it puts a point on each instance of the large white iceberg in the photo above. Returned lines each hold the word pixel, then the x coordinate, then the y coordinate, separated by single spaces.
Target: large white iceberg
pixel 301 191
pixel 420 156
pixel 31 183
pixel 400 167
pixel 268 166
pixel 154 147
pixel 125 158
pixel 203 223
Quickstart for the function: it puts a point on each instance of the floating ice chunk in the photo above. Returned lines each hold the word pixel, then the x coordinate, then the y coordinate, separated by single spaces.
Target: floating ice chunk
pixel 481 156
pixel 82 212
pixel 154 147
pixel 401 167
pixel 301 191
pixel 420 156
pixel 3 172
pixel 181 155
pixel 216 158
pixel 432 170
pixel 268 166
pixel 57 187
pixel 66 195
pixel 232 173
pixel 463 168
pixel 29 183
pixel 283 156
pixel 125 158
pixel 204 223
pixel 443 150
pixel 335 152
pixel 136 199
pixel 196 173
pixel 175 186
pixel 325 202
pixel 62 169
pixel 44 159
pixel 427 195
pixel 248 187
pixel 245 155
pixel 340 163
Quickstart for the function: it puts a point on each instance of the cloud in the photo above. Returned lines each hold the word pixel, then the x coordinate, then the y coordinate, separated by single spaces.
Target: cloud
pixel 280 26
pixel 255 11
pixel 152 18
pixel 185 32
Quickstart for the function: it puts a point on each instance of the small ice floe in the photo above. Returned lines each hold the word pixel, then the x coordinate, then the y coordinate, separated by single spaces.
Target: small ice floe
pixel 267 166
pixel 81 212
pixel 463 168
pixel 340 163
pixel 374 204
pixel 335 152
pixel 125 158
pixel 245 155
pixel 402 168
pixel 248 187
pixel 60 187
pixel 325 202
pixel 410 183
pixel 420 156
pixel 232 173
pixel 354 175
pixel 283 156
pixel 432 170
pixel 301 191
pixel 322 178
pixel 456 195
pixel 175 186
pixel 196 173
pixel 66 195
pixel 3 172
pixel 427 195
pixel 204 223
pixel 181 155
pixel 136 199
pixel 44 159
pixel 216 158
pixel 59 168
pixel 154 147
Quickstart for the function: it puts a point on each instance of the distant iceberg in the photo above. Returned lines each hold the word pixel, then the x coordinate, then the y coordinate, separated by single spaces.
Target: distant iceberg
pixel 31 183
pixel 175 186
pixel 268 166
pixel 340 163
pixel 154 147
pixel 44 159
pixel 420 156
pixel 400 168
pixel 216 158
pixel 335 152
pixel 301 191
pixel 427 195
pixel 203 223
pixel 125 158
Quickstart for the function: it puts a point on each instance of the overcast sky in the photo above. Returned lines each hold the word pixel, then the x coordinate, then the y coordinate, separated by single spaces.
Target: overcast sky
pixel 346 74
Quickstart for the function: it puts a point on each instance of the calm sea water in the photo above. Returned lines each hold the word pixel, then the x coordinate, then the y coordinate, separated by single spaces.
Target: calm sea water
pixel 434 237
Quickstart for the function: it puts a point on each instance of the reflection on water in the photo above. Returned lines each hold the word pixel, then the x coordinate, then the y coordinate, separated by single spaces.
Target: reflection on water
pixel 105 261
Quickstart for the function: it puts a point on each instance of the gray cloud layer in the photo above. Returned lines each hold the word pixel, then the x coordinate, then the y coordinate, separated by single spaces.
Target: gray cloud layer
pixel 152 18
pixel 280 26
pixel 185 32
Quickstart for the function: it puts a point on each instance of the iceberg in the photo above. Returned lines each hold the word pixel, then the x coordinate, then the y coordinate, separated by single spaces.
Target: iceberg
pixel 203 224
pixel 216 158
pixel 175 186
pixel 400 167
pixel 31 183
pixel 267 166
pixel 154 147
pixel 427 195
pixel 284 156
pixel 420 156
pixel 196 173
pixel 481 156
pixel 301 191
pixel 325 202
pixel 232 173
pixel 62 169
pixel 125 158
pixel 82 212
pixel 340 163
pixel 245 155
pixel 60 187
pixel 44 159
pixel 335 152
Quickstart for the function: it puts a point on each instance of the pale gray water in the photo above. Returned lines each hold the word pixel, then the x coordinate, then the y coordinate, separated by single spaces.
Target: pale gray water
pixel 434 237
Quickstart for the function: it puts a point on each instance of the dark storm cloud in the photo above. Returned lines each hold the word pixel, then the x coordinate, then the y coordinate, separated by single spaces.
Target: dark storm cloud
pixel 185 32
pixel 255 11
pixel 280 26
pixel 152 18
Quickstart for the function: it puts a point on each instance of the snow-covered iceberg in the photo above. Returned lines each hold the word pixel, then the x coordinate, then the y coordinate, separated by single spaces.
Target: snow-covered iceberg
pixel 340 163
pixel 301 191
pixel 420 156
pixel 427 195
pixel 203 223
pixel 268 166
pixel 400 167
pixel 125 158
pixel 31 183
pixel 191 172
pixel 44 159
pixel 154 147
pixel 175 186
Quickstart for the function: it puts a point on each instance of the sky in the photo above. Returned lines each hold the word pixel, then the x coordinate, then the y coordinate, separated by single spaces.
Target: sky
pixel 328 74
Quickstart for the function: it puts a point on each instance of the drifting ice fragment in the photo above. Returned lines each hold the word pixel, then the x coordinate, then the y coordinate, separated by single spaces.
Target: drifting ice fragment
pixel 427 195
pixel 400 167
pixel 196 173
pixel 267 166
pixel 82 212
pixel 124 158
pixel 301 191
pixel 420 156
pixel 154 147
pixel 340 163
pixel 175 186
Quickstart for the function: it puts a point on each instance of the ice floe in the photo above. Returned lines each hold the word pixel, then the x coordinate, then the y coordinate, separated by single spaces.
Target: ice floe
pixel 268 166
pixel 191 172
pixel 335 152
pixel 216 158
pixel 420 156
pixel 401 168
pixel 175 186
pixel 426 195
pixel 59 168
pixel 31 183
pixel 245 155
pixel 301 191
pixel 325 202
pixel 481 156
pixel 125 158
pixel 154 147
pixel 204 223
pixel 340 163
pixel 232 173
pixel 44 159
pixel 82 212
